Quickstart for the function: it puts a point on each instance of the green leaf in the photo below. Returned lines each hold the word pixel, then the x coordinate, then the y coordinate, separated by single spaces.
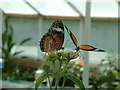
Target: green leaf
pixel 11 31
pixel 41 79
pixel 76 80
pixel 6 22
pixel 25 40
pixel 52 67
pixel 9 41
pixel 10 47
pixel 57 65
pixel 4 37
pixel 16 53
pixel 4 51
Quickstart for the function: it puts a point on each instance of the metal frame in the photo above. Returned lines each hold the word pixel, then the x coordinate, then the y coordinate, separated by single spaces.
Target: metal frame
pixel 86 39
pixel 61 17
pixel 40 29
pixel 1 27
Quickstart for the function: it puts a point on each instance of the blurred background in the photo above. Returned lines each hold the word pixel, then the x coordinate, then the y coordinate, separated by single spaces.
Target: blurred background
pixel 24 22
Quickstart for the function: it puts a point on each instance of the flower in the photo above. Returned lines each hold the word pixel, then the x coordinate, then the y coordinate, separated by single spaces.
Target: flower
pixel 72 54
pixel 78 75
pixel 79 63
pixel 60 55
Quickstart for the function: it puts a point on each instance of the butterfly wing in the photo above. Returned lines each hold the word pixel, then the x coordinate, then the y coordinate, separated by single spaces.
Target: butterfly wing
pixel 72 36
pixel 54 39
pixel 57 31
pixel 59 39
pixel 46 43
pixel 57 26
pixel 89 48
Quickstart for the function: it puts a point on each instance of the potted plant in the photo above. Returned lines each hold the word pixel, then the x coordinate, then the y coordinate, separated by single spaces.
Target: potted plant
pixel 11 68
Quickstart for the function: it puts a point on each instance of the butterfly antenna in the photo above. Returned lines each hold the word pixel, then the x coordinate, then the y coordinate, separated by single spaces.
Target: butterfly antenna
pixel 67 29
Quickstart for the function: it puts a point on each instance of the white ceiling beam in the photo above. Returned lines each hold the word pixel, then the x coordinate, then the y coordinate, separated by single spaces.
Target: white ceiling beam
pixel 74 8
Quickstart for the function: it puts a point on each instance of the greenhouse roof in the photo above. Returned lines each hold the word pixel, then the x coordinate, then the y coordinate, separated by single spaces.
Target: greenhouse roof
pixel 65 8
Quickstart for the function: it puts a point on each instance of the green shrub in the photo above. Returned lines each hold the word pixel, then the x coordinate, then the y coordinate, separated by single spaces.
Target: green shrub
pixel 11 68
pixel 107 75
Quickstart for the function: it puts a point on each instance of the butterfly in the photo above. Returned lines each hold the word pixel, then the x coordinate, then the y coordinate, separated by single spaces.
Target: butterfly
pixel 54 38
pixel 82 47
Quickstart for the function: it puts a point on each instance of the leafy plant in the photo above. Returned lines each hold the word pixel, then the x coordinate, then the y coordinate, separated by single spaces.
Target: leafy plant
pixel 56 65
pixel 107 75
pixel 10 67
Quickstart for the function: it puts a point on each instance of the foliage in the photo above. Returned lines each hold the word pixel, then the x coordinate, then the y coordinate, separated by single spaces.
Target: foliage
pixel 107 75
pixel 56 65
pixel 76 69
pixel 19 73
pixel 11 67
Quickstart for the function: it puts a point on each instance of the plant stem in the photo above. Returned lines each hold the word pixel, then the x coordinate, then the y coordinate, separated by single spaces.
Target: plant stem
pixel 56 83
pixel 64 80
pixel 65 69
pixel 49 83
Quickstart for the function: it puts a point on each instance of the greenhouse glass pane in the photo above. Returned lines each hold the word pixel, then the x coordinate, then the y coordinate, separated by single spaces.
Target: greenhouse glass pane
pixel 53 7
pixel 104 9
pixel 99 8
pixel 16 7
